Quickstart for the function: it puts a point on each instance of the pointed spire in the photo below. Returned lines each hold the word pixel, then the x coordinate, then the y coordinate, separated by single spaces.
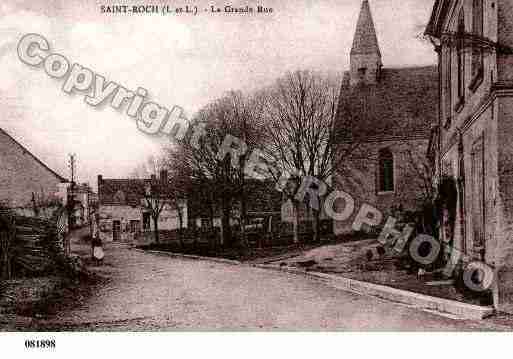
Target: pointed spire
pixel 365 40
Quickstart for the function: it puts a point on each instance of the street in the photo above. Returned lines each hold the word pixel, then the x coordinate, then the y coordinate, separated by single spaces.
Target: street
pixel 157 292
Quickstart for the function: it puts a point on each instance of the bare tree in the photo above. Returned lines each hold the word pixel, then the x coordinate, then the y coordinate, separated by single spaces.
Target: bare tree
pixel 154 199
pixel 150 167
pixel 178 187
pixel 303 136
pixel 200 161
pixel 220 179
pixel 245 126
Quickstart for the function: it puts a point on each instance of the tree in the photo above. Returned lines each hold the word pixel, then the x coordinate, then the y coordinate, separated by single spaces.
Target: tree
pixel 154 199
pixel 303 136
pixel 144 170
pixel 178 188
pixel 209 161
pixel 245 125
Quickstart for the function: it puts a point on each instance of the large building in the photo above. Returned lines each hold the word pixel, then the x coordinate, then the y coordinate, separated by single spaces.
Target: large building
pixel 385 117
pixel 473 144
pixel 25 181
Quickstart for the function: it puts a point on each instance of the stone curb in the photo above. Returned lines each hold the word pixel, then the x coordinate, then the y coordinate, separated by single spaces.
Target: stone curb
pixel 190 256
pixel 420 301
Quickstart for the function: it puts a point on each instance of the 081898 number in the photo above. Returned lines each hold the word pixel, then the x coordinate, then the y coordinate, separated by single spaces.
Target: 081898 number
pixel 40 344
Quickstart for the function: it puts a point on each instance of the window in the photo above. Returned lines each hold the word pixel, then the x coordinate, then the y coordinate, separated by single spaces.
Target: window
pixel 361 72
pixel 134 226
pixel 461 56
pixel 448 86
pixel 477 50
pixel 386 171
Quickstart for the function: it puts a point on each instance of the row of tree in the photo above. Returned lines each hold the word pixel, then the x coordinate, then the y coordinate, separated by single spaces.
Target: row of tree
pixel 291 125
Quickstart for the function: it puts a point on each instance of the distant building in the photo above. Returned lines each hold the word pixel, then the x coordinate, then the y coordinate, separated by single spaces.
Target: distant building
pixel 386 116
pixel 122 214
pixel 84 199
pixel 262 201
pixel 473 144
pixel 26 183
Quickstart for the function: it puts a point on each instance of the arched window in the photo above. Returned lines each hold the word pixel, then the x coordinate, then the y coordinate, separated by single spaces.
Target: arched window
pixel 386 170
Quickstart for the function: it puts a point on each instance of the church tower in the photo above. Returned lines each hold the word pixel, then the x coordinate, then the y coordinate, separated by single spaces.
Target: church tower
pixel 365 54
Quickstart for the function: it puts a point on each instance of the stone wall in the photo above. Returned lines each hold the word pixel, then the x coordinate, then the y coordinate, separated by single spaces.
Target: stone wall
pixel 504 251
pixel 483 118
pixel 360 178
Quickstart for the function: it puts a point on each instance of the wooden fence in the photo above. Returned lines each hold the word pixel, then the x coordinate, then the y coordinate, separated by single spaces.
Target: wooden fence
pixel 29 246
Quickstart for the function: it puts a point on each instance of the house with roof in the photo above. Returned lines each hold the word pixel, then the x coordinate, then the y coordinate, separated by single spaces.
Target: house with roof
pixel 123 214
pixel 385 115
pixel 26 183
pixel 472 144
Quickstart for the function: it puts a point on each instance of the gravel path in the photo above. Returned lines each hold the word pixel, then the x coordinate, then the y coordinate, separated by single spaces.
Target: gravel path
pixel 154 292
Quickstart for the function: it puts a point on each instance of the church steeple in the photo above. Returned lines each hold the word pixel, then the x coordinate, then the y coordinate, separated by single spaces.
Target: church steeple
pixel 365 54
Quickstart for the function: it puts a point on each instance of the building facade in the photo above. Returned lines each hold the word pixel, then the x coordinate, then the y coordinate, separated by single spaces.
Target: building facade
pixel 385 118
pixel 26 183
pixel 122 212
pixel 474 42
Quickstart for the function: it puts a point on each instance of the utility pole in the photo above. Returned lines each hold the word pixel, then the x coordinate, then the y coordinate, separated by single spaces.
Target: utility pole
pixel 72 164
pixel 70 206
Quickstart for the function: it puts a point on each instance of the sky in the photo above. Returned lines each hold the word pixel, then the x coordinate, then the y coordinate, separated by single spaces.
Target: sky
pixel 182 60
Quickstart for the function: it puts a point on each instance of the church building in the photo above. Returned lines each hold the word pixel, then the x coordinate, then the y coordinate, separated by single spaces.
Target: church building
pixel 385 117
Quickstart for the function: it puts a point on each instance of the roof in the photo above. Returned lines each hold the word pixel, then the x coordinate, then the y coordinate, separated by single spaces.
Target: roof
pixel 59 177
pixel 403 104
pixel 121 191
pixel 130 191
pixel 365 40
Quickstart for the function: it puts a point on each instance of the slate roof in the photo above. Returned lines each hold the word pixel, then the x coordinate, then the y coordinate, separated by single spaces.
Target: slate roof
pixel 403 104
pixel 365 40
pixel 121 191
pixel 129 191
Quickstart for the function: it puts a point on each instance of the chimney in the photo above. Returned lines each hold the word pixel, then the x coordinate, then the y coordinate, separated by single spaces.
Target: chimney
pixel 163 176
